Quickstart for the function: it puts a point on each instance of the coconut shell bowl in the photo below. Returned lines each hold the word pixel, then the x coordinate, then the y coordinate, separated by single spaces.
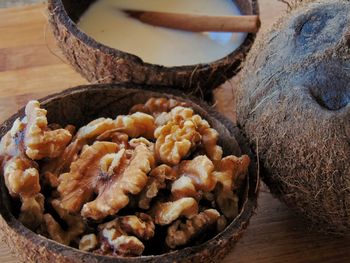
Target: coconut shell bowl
pixel 78 106
pixel 99 63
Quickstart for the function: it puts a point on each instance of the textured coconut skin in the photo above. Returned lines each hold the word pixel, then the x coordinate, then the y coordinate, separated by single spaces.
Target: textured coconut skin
pixel 101 64
pixel 293 101
pixel 82 104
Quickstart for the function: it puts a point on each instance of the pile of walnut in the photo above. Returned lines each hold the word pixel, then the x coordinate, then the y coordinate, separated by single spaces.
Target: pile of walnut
pixel 115 187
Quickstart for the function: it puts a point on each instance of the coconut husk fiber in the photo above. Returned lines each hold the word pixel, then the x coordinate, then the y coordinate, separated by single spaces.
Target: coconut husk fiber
pixel 99 63
pixel 293 101
pixel 80 105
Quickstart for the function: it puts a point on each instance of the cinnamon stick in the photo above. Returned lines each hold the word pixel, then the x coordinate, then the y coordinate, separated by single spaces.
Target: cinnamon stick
pixel 198 23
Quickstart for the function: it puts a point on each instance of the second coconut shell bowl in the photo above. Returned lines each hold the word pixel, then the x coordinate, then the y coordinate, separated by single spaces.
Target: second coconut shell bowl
pixel 99 63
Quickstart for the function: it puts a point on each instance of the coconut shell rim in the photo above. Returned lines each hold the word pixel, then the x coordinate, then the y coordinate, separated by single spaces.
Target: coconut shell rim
pixel 9 224
pixel 59 11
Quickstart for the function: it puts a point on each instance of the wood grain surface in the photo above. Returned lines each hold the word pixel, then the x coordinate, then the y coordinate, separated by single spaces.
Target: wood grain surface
pixel 31 66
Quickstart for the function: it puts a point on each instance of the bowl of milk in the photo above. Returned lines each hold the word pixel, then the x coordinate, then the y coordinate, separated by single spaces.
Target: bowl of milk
pixel 106 45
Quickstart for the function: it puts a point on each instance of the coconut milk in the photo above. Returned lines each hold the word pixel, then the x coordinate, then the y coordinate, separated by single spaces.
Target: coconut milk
pixel 106 23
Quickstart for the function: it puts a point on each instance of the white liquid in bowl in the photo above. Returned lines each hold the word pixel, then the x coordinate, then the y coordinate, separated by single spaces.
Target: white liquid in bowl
pixel 106 23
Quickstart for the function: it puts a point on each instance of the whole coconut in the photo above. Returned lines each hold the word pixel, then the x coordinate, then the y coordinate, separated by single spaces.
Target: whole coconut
pixel 293 105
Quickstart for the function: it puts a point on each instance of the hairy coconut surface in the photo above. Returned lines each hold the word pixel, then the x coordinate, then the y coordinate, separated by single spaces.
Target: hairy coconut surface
pixel 101 64
pixel 80 105
pixel 294 102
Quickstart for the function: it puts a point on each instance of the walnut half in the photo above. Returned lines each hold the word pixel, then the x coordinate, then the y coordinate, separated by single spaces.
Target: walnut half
pixel 232 171
pixel 177 137
pixel 165 213
pixel 128 175
pixel 39 140
pixel 180 234
pixel 122 235
pixel 136 125
pixel 21 176
pixel 22 180
pixel 88 242
pixel 78 185
pixel 12 142
pixel 195 175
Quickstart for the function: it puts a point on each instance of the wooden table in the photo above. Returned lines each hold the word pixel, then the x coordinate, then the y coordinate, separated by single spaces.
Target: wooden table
pixel 31 66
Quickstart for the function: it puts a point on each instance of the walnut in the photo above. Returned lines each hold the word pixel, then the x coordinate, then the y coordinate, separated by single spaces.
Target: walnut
pixel 180 131
pixel 155 106
pixel 139 225
pixel 12 142
pixel 176 139
pixel 165 213
pixel 180 234
pixel 95 128
pixel 195 175
pixel 120 138
pixel 231 172
pixel 88 242
pixel 39 140
pixel 156 181
pixel 98 128
pixel 176 113
pixel 21 177
pixel 209 138
pixel 136 125
pixel 75 224
pixel 127 174
pixel 78 185
pixel 32 210
pixel 123 233
pixel 184 187
pixel 209 142
pixel 122 245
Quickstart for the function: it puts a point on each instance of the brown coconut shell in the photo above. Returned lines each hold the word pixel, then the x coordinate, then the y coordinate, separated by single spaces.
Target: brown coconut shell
pixel 80 105
pixel 293 102
pixel 101 64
